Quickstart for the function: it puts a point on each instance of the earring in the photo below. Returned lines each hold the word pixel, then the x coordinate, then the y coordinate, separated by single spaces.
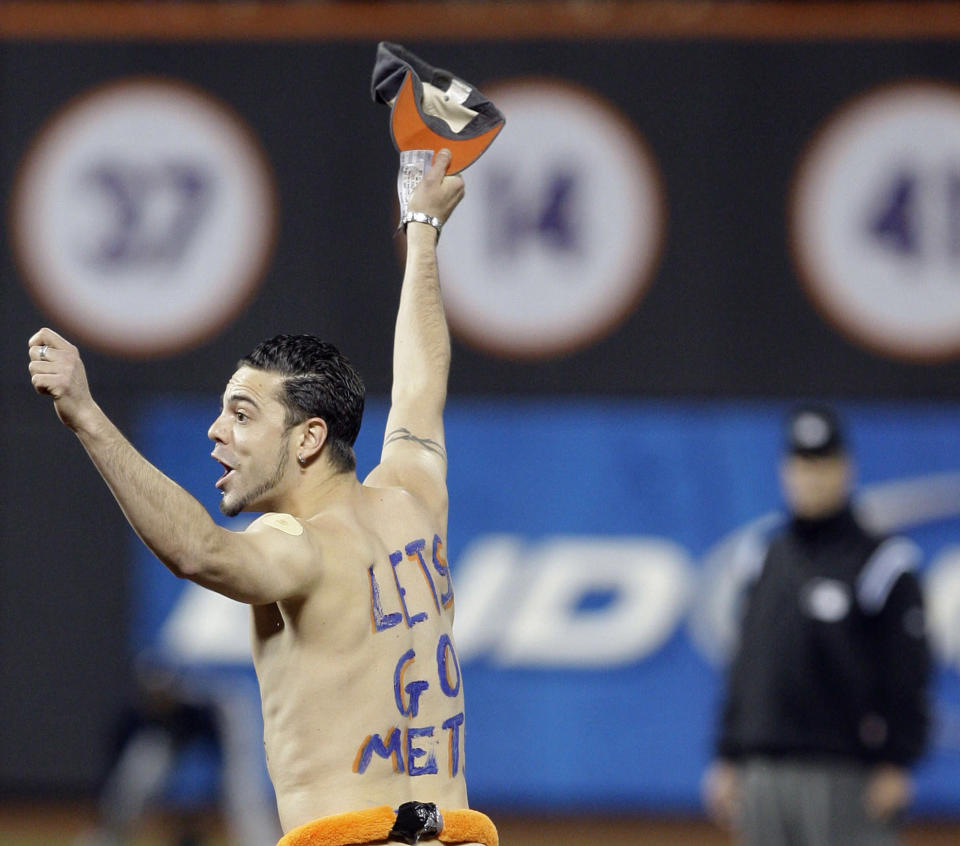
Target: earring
pixel 302 460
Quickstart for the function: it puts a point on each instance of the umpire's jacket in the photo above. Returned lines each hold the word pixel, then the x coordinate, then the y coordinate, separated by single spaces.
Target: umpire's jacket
pixel 832 661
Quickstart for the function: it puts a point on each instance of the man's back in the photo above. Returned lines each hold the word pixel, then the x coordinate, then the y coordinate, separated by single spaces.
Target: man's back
pixel 362 693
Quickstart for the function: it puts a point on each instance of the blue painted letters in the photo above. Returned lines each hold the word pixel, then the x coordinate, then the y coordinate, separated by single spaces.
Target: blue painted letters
pixel 413 690
pixel 380 620
pixel 414 752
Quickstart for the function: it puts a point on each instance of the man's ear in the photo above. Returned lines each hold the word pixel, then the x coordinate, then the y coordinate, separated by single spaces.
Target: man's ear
pixel 313 435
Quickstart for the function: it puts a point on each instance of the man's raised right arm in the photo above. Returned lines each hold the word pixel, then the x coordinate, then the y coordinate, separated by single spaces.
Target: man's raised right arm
pixel 171 522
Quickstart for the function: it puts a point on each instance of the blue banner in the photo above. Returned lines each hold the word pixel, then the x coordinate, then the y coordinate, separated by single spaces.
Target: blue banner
pixel 591 546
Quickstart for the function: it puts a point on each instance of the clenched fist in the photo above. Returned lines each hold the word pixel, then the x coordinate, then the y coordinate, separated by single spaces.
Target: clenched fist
pixel 57 371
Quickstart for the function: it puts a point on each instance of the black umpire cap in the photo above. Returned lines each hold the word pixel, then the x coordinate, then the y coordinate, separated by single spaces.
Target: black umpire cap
pixel 814 431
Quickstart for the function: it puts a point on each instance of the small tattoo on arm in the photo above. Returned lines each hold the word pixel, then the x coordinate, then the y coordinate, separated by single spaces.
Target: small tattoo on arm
pixel 407 435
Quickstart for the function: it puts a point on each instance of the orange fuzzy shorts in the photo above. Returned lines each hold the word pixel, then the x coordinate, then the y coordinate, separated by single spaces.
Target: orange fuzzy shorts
pixel 373 825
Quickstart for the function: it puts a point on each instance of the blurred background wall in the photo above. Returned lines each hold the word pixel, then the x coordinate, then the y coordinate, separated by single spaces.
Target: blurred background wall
pixel 697 214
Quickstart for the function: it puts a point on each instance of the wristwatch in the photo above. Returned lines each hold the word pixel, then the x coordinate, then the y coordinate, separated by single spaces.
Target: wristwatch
pixel 421 217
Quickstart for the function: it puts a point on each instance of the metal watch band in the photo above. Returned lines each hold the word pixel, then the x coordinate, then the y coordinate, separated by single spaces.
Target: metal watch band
pixel 421 217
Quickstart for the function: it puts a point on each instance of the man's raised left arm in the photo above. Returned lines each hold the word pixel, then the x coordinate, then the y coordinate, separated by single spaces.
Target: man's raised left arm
pixel 414 451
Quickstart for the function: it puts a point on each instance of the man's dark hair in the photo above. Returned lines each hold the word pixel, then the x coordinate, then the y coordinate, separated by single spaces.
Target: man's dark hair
pixel 319 382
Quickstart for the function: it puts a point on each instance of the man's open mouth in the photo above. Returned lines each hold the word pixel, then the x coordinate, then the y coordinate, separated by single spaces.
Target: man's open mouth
pixel 227 472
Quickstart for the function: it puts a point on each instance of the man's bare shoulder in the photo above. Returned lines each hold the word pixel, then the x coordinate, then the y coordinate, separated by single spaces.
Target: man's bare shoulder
pixel 283 531
pixel 382 489
pixel 286 523
pixel 352 526
pixel 314 534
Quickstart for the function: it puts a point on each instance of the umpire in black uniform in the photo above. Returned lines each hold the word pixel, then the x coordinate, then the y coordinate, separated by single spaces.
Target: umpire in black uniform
pixel 826 702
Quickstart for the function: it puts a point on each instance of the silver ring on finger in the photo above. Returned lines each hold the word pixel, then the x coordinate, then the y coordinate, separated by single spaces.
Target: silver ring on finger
pixel 43 352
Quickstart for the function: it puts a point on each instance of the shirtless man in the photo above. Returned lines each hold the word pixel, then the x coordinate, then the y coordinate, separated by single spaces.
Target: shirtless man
pixel 350 594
